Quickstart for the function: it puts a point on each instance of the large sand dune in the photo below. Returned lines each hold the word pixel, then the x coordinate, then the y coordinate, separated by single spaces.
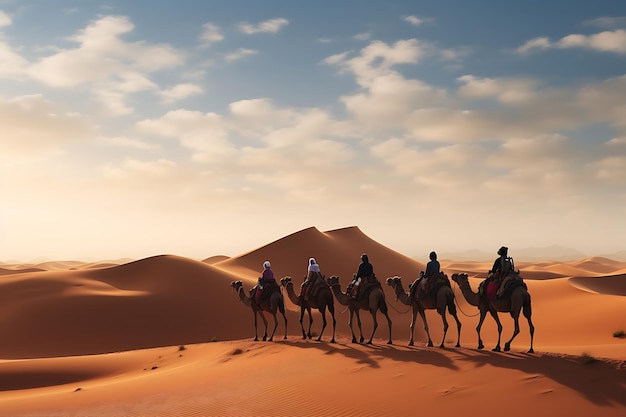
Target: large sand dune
pixel 106 338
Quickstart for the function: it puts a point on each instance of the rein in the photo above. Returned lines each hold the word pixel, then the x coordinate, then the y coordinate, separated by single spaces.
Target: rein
pixel 458 306
pixel 395 309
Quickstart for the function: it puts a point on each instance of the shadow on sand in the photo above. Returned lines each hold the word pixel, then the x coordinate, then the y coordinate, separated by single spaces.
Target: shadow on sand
pixel 602 382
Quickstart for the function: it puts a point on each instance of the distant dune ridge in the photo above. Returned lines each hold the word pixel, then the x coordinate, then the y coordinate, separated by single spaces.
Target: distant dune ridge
pixel 108 338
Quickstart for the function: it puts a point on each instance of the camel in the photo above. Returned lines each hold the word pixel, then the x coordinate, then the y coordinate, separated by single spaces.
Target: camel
pixel 442 300
pixel 323 300
pixel 373 302
pixel 513 304
pixel 272 304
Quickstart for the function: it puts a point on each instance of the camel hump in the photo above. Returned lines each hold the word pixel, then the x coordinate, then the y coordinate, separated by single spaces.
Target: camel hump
pixel 510 285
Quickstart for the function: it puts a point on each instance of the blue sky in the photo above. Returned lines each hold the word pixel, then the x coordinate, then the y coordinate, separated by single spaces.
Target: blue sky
pixel 130 129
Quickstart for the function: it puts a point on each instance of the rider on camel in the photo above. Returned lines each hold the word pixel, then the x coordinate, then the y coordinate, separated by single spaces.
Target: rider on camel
pixel 313 273
pixel 267 277
pixel 432 268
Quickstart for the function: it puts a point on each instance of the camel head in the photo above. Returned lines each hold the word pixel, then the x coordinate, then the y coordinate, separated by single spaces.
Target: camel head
pixel 285 281
pixel 393 281
pixel 334 280
pixel 460 278
pixel 236 285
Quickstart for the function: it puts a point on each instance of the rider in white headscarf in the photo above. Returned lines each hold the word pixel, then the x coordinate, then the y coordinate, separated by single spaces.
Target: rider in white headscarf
pixel 313 272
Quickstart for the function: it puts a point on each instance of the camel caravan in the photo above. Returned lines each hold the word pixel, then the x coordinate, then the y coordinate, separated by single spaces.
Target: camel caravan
pixel 502 291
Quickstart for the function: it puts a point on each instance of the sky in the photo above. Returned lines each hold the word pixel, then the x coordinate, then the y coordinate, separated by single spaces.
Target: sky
pixel 137 128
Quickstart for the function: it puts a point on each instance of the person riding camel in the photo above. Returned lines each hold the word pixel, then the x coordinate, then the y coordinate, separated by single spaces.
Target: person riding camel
pixel 365 270
pixel 313 274
pixel 501 264
pixel 500 269
pixel 432 268
pixel 506 270
pixel 267 278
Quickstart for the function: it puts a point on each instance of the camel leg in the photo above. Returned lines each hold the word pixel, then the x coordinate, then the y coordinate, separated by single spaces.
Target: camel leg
pixel 358 321
pixel 507 345
pixel 350 324
pixel 310 321
pixel 445 326
pixel 515 315
pixel 373 313
pixel 256 337
pixel 423 315
pixel 452 310
pixel 331 309
pixel 380 303
pixel 483 313
pixel 494 314
pixel 301 322
pixel 412 326
pixel 528 314
pixel 281 308
pixel 323 313
pixel 386 313
pixel 271 339
pixel 264 323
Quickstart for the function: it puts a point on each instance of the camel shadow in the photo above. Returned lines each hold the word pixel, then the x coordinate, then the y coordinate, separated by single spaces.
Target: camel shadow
pixel 370 355
pixel 602 382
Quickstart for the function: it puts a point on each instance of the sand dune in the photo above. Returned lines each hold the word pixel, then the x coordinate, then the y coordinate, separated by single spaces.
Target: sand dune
pixel 303 378
pixel 104 339
pixel 337 252
pixel 214 259
pixel 11 271
pixel 614 285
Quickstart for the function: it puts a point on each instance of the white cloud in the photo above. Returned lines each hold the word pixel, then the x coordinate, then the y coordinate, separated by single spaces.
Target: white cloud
pixel 607 22
pixel 259 145
pixel 102 55
pixel 111 101
pixel 417 21
pixel 109 68
pixel 455 54
pixel 389 100
pixel 131 167
pixel 12 65
pixel 614 41
pixel 210 34
pixel 611 169
pixel 5 19
pixel 205 134
pixel 511 91
pixel 180 92
pixel 126 142
pixel 30 125
pixel 537 43
pixel 336 59
pixel 362 36
pixel 449 166
pixel 618 141
pixel 608 41
pixel 378 58
pixel 239 54
pixel 267 26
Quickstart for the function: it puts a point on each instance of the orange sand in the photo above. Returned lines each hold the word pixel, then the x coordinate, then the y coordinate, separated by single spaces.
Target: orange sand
pixel 167 336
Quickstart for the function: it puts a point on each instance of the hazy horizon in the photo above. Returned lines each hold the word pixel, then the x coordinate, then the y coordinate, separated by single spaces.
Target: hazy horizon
pixel 552 253
pixel 213 128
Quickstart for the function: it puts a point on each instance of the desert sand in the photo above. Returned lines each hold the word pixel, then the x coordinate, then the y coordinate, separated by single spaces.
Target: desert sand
pixel 168 336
